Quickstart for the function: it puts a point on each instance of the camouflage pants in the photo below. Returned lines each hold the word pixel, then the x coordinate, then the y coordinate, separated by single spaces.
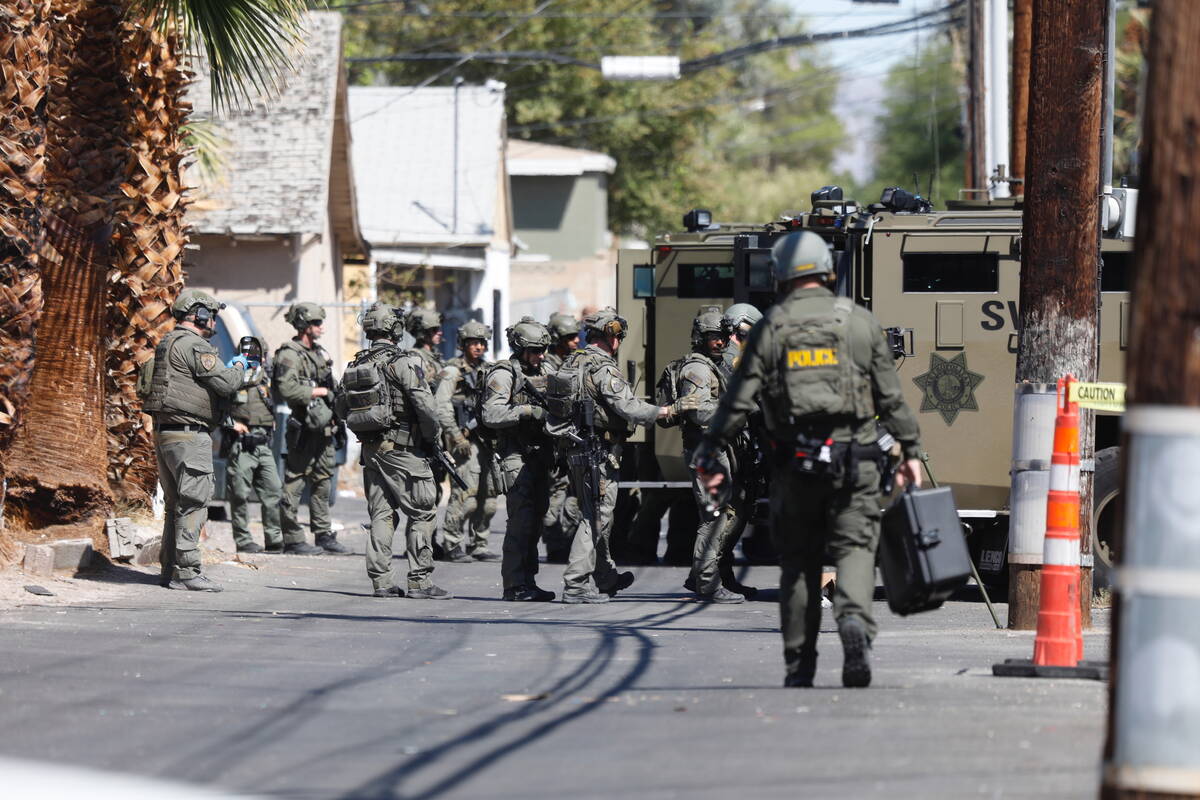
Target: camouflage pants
pixel 590 565
pixel 309 464
pixel 399 480
pixel 814 521
pixel 253 471
pixel 527 499
pixel 561 518
pixel 185 470
pixel 474 506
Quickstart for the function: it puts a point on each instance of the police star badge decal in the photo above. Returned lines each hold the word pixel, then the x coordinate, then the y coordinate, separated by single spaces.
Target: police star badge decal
pixel 949 386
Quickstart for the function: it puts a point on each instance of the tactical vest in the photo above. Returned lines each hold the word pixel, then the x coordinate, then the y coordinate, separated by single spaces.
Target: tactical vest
pixel 523 436
pixel 666 391
pixel 372 405
pixel 816 372
pixel 552 363
pixel 466 395
pixel 176 397
pixel 571 383
pixel 252 405
pixel 315 364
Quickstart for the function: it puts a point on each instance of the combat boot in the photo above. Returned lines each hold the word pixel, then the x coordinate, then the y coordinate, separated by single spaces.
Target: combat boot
pixel 528 594
pixel 801 676
pixel 458 556
pixel 253 547
pixel 722 595
pixel 486 555
pixel 856 664
pixel 301 549
pixel 389 591
pixel 730 582
pixel 200 583
pixel 430 592
pixel 624 581
pixel 588 597
pixel 329 543
pixel 171 584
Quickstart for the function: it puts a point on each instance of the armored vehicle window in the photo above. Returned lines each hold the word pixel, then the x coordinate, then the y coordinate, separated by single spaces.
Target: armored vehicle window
pixel 760 277
pixel 643 281
pixel 1117 273
pixel 706 280
pixel 951 273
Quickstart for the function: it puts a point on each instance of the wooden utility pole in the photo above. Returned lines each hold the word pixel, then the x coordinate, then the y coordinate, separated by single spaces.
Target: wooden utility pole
pixel 1022 41
pixel 1060 264
pixel 975 176
pixel 1153 746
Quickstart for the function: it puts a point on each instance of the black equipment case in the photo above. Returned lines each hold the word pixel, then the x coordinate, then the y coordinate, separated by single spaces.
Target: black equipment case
pixel 922 551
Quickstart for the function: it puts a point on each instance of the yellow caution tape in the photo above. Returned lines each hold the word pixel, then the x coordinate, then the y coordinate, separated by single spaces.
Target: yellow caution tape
pixel 1099 396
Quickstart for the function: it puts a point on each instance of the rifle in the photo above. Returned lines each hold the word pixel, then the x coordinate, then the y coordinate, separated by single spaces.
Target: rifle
pixel 585 462
pixel 440 456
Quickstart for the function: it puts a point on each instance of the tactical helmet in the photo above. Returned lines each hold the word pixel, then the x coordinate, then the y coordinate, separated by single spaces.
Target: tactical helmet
pixel 420 320
pixel 606 321
pixel 563 325
pixel 380 320
pixel 801 255
pixel 190 298
pixel 707 321
pixel 473 329
pixel 527 333
pixel 740 314
pixel 301 315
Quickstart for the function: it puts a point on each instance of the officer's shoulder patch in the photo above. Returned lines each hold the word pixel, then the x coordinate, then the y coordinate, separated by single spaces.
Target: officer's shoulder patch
pixel 208 361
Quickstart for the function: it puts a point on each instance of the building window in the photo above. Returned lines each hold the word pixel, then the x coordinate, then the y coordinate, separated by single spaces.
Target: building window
pixel 951 273
pixel 706 280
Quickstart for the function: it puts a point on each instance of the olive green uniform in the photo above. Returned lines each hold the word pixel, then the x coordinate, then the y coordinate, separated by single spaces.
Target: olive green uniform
pixel 310 457
pixel 527 459
pixel 431 368
pixel 814 515
pixel 250 465
pixel 616 409
pixel 396 472
pixel 188 390
pixel 701 375
pixel 562 517
pixel 476 505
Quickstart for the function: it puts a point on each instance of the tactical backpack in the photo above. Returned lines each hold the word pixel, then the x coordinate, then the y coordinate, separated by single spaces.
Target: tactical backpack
pixel 666 391
pixel 364 397
pixel 816 366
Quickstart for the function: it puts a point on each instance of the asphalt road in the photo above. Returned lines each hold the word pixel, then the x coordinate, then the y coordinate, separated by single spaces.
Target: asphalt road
pixel 295 683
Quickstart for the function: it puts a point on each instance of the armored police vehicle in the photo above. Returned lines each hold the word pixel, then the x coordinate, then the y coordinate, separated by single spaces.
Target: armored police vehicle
pixel 946 283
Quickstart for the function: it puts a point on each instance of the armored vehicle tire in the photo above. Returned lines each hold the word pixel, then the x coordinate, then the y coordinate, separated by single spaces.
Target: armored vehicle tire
pixel 1105 516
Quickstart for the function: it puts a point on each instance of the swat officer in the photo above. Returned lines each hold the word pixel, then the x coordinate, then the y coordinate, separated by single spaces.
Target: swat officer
pixel 592 374
pixel 561 519
pixel 514 407
pixel 459 386
pixel 700 374
pixel 188 388
pixel 425 326
pixel 824 372
pixel 389 406
pixel 304 380
pixel 738 320
pixel 250 462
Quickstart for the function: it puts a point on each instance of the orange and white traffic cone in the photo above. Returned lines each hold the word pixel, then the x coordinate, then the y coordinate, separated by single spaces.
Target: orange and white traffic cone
pixel 1059 640
pixel 1058 648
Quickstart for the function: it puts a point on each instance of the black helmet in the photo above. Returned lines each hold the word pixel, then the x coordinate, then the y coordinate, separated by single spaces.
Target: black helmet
pixel 707 321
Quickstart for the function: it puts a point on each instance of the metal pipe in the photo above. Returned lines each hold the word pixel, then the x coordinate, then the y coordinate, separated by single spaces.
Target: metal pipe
pixel 457 84
pixel 1110 90
pixel 996 75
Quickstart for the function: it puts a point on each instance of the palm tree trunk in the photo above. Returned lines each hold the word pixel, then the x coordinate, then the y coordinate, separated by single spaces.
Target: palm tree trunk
pixel 24 46
pixel 56 464
pixel 151 234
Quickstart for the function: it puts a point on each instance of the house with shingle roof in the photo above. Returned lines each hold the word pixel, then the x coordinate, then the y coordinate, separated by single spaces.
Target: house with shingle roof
pixel 433 199
pixel 278 219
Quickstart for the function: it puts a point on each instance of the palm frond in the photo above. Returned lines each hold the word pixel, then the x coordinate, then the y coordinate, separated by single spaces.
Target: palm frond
pixel 248 43
pixel 207 144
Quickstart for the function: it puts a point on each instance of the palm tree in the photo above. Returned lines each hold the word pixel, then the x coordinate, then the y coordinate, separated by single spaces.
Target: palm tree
pixel 101 228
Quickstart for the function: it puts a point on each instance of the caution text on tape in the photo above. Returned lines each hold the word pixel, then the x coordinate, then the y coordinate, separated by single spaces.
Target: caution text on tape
pixel 1098 396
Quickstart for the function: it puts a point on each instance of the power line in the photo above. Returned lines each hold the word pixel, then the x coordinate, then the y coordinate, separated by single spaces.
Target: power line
pixel 661 15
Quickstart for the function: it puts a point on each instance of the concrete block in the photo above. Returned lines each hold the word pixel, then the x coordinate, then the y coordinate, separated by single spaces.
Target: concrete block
pixel 149 552
pixel 39 560
pixel 72 553
pixel 121 544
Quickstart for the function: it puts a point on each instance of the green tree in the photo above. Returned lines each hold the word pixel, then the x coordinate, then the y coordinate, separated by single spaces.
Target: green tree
pixel 919 128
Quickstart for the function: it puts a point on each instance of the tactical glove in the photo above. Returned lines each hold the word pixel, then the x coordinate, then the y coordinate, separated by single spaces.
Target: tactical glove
pixel 689 402
pixel 535 413
pixel 460 446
